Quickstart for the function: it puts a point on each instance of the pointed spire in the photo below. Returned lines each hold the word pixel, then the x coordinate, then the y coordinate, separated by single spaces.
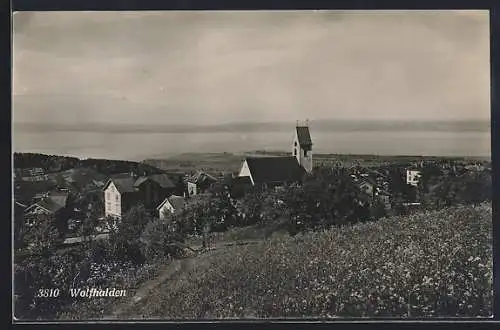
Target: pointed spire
pixel 307 122
pixel 296 123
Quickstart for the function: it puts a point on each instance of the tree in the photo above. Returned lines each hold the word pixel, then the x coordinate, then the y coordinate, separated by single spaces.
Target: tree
pixel 327 197
pixel 161 238
pixel 39 266
pixel 125 242
pixel 41 234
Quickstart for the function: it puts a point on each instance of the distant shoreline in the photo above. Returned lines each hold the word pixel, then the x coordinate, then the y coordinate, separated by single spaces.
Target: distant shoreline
pixel 318 156
pixel 319 126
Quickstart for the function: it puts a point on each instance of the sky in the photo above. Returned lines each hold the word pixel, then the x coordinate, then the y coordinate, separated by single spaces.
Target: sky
pixel 217 67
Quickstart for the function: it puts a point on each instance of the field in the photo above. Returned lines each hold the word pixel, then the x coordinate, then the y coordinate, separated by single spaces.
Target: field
pixel 435 263
pixel 231 162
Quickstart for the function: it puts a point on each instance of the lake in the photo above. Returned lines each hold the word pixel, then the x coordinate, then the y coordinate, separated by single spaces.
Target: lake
pixel 139 146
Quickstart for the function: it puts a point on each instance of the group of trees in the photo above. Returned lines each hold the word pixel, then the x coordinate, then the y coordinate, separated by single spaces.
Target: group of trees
pixel 53 163
pixel 441 188
pixel 47 162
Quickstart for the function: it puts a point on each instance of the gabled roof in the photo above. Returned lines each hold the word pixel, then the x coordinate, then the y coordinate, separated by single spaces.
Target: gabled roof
pixel 303 136
pixel 20 205
pixel 126 183
pixel 140 181
pixel 123 184
pixel 201 177
pixel 177 202
pixel 274 169
pixel 52 204
pixel 367 180
pixel 163 180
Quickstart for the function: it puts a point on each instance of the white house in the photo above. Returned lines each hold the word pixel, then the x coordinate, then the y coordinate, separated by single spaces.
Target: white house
pixel 412 177
pixel 113 201
pixel 123 191
pixel 170 205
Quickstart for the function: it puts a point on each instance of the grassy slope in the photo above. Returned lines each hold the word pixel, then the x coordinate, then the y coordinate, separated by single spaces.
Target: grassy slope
pixel 400 266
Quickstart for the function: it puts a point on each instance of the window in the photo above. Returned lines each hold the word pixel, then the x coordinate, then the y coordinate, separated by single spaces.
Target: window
pixel 305 153
pixel 117 198
pixel 295 144
pixel 295 152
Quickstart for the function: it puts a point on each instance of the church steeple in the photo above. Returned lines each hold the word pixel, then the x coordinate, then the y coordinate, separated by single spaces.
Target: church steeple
pixel 302 146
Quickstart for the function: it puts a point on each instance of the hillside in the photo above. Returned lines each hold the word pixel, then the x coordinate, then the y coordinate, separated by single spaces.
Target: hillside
pixel 435 263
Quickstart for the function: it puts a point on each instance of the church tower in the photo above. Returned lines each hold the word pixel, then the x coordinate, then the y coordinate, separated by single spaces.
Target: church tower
pixel 302 146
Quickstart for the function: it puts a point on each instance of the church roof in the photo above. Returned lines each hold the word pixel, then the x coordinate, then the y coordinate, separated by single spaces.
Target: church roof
pixel 304 136
pixel 274 169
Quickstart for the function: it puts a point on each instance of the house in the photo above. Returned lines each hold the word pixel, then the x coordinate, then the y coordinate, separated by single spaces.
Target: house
pixel 276 171
pixel 56 205
pixel 199 183
pixel 412 177
pixel 29 172
pixel 302 147
pixel 51 204
pixel 33 174
pixel 171 205
pixel 368 185
pixel 123 191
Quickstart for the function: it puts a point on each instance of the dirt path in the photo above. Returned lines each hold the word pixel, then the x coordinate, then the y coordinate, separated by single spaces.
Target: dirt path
pixel 167 272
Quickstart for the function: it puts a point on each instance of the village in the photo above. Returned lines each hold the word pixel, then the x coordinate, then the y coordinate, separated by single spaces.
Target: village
pixel 73 197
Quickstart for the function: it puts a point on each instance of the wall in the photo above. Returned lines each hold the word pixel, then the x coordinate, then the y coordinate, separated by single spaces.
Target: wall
pixel 412 177
pixel 245 171
pixel 112 201
pixel 167 207
pixel 299 153
pixel 192 189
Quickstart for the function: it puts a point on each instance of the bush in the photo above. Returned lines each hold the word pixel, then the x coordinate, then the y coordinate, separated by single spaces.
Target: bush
pixel 159 240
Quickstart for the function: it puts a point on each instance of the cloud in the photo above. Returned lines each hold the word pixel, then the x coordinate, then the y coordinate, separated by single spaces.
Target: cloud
pixel 208 67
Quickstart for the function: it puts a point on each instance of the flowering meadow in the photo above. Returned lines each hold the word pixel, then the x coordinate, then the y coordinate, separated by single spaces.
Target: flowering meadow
pixel 429 264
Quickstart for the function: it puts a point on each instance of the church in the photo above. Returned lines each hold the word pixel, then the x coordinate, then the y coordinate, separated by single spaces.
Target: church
pixel 276 171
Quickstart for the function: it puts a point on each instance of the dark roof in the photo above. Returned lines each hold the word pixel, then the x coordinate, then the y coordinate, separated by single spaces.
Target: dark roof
pixel 163 180
pixel 53 203
pixel 140 181
pixel 274 169
pixel 367 180
pixel 304 136
pixel 20 205
pixel 123 184
pixel 177 202
pixel 201 177
pixel 126 183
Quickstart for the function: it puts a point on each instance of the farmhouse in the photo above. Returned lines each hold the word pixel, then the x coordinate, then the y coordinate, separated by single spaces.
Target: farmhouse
pixel 51 204
pixel 412 176
pixel 171 205
pixel 55 204
pixel 275 171
pixel 123 191
pixel 199 183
